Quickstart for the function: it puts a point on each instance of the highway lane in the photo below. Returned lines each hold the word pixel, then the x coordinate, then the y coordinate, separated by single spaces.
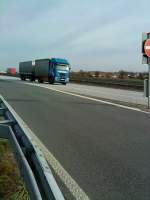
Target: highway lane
pixel 128 96
pixel 104 148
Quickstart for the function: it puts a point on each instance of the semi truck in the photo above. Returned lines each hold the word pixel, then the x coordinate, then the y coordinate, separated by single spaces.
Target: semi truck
pixel 54 70
pixel 11 71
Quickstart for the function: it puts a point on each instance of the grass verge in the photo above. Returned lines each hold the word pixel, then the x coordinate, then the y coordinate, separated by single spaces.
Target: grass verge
pixel 11 184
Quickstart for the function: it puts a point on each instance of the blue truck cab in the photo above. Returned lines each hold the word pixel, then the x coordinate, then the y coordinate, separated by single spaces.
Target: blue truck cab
pixel 59 70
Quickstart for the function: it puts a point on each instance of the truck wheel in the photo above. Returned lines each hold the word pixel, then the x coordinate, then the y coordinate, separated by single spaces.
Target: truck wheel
pixel 40 81
pixel 64 83
pixel 32 79
pixel 51 81
pixel 23 78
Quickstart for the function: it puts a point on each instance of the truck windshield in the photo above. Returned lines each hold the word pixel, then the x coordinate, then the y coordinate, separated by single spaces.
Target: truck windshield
pixel 62 67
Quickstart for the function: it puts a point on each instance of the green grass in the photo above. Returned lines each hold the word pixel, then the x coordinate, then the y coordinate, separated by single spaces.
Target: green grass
pixel 11 184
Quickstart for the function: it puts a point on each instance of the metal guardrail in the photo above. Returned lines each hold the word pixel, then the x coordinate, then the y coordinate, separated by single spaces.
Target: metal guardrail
pixel 35 170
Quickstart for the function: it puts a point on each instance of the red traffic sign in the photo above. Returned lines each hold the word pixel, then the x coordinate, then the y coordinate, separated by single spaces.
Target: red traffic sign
pixel 147 47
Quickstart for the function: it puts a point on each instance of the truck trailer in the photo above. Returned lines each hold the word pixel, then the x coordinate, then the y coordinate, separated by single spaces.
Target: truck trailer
pixel 26 70
pixel 54 70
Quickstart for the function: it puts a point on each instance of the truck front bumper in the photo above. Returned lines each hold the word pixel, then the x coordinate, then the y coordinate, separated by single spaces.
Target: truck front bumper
pixel 61 80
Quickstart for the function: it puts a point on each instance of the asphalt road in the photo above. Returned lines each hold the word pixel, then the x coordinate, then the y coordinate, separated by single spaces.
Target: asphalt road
pixel 103 147
pixel 123 95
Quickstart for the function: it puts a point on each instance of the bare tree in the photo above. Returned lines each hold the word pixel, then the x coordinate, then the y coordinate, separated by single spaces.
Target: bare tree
pixel 121 74
pixel 97 74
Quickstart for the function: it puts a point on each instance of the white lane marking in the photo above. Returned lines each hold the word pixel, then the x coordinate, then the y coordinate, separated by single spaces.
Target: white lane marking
pixel 90 98
pixel 65 177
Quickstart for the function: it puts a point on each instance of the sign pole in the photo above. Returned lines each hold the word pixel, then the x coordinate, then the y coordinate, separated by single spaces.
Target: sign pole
pixel 148 86
pixel 146 60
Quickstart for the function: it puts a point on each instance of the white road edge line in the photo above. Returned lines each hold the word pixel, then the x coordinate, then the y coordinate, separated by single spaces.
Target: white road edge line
pixel 65 177
pixel 90 98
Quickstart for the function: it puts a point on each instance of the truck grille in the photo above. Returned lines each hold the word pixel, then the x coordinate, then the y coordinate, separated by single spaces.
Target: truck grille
pixel 62 75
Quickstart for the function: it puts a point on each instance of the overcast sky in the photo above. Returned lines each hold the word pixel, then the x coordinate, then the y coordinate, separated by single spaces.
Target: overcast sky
pixel 91 34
